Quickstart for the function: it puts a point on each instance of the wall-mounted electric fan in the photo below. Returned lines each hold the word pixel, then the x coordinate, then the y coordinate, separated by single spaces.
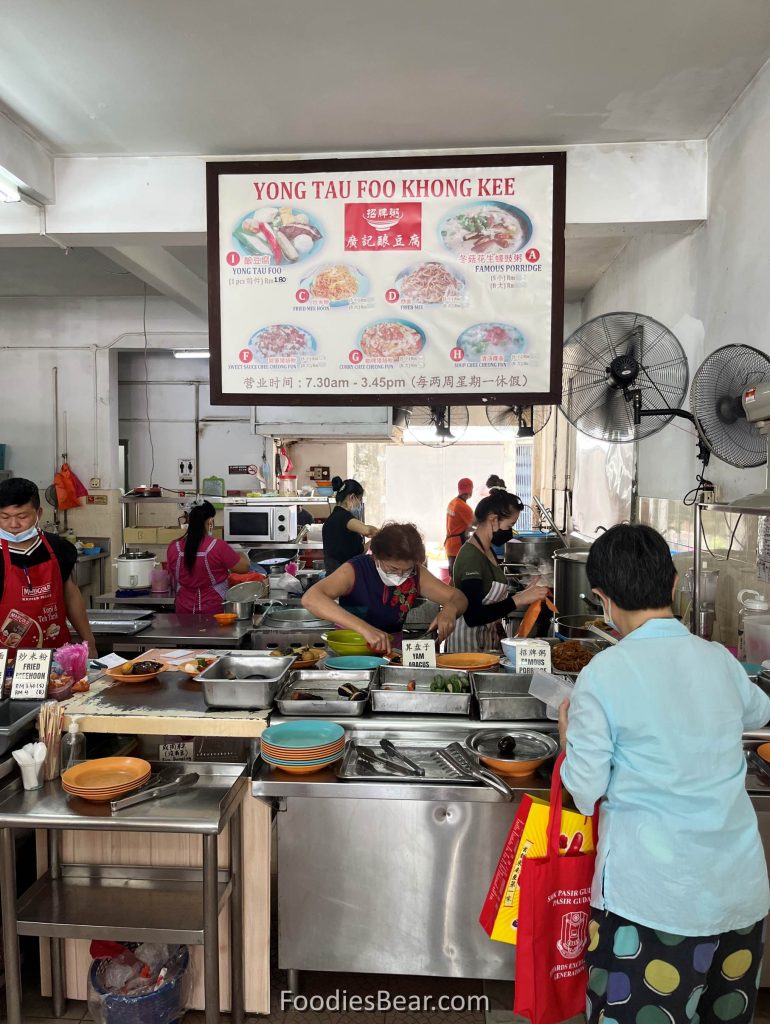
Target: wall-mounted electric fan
pixel 730 400
pixel 625 377
pixel 518 421
pixel 437 425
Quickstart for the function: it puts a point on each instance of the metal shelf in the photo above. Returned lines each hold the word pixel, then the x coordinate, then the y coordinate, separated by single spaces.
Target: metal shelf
pixel 736 510
pixel 131 903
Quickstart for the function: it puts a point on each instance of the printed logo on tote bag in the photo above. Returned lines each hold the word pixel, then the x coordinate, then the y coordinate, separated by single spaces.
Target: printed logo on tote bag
pixel 574 934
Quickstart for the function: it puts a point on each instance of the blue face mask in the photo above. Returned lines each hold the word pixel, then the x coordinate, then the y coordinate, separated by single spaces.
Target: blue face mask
pixel 356 511
pixel 608 615
pixel 19 538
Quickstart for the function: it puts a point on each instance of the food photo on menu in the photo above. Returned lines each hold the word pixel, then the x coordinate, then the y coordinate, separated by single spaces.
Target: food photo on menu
pixel 486 228
pixel 391 339
pixel 281 342
pixel 336 283
pixel 284 234
pixel 430 283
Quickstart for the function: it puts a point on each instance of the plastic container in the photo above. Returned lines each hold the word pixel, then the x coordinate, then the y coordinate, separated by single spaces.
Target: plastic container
pixel 73 747
pixel 751 604
pixel 160 581
pixel 551 690
pixel 166 1006
pixel 757 633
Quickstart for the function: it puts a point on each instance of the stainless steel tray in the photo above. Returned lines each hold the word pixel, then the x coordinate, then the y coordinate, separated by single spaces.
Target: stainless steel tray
pixel 325 684
pixel 504 696
pixel 221 691
pixel 421 700
pixel 435 769
pixel 16 718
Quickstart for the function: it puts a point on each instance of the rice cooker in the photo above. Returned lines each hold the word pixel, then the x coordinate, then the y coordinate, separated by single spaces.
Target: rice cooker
pixel 135 570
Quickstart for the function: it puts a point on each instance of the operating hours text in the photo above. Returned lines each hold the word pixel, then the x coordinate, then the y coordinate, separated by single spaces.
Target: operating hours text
pixel 326 382
pixel 384 383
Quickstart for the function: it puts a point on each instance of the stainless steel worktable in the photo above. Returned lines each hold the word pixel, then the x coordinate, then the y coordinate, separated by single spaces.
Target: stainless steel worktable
pixel 153 600
pixel 171 630
pixel 130 903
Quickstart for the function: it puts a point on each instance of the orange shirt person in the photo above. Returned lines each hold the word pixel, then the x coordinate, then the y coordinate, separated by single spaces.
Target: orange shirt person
pixel 459 517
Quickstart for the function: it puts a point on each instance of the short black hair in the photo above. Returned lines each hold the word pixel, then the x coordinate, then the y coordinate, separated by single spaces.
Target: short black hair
pixel 632 564
pixel 498 503
pixel 18 491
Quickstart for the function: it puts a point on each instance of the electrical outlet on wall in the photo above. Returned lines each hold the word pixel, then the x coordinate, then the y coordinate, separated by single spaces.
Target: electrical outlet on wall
pixel 95 482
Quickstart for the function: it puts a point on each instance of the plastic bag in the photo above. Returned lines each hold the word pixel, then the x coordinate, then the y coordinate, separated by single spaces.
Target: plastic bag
pixel 68 668
pixel 145 984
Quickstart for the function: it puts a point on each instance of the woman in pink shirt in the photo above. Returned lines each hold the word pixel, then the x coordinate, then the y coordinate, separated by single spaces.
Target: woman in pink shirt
pixel 199 564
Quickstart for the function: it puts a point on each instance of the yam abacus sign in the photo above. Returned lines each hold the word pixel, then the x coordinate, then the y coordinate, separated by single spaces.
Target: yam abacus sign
pixel 419 654
pixel 30 674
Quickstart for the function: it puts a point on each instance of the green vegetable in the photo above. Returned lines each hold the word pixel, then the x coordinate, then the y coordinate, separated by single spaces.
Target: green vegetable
pixel 450 684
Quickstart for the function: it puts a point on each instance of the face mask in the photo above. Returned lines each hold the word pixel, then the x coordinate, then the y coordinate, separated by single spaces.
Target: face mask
pixel 356 511
pixel 19 538
pixel 608 615
pixel 393 579
pixel 500 537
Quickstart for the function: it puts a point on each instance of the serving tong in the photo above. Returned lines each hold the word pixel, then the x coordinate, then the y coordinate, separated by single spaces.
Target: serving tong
pixel 371 759
pixel 392 749
pixel 167 782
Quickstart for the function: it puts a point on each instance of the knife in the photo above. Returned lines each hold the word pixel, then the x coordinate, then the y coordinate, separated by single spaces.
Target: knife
pixel 183 782
pixel 391 749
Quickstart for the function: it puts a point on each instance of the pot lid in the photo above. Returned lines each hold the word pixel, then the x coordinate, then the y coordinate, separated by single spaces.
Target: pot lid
pixel 530 746
pixel 134 556
pixel 297 617
pixel 245 592
pixel 568 555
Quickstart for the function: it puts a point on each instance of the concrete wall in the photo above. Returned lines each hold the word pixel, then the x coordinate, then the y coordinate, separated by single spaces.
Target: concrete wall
pixel 709 287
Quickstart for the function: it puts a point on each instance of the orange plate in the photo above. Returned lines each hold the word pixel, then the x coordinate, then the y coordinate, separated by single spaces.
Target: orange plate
pixel 314 754
pixel 145 677
pixel 107 773
pixel 764 752
pixel 467 661
pixel 304 770
pixel 225 618
pixel 514 769
pixel 103 789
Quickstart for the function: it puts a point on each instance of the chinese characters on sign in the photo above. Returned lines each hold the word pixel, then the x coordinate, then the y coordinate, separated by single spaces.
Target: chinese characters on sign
pixel 419 653
pixel 30 674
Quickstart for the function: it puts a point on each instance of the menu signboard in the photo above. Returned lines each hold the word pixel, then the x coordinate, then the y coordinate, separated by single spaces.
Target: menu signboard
pixel 370 282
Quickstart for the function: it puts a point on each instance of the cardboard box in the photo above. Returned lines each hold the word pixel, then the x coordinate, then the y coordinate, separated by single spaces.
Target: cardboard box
pixel 168 533
pixel 140 535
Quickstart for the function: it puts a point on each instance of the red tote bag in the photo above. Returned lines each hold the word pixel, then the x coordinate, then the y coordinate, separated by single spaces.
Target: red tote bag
pixel 554 912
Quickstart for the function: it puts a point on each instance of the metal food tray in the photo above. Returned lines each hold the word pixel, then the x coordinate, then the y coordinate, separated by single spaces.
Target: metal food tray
pixel 325 684
pixel 219 691
pixel 435 769
pixel 422 700
pixel 16 718
pixel 505 696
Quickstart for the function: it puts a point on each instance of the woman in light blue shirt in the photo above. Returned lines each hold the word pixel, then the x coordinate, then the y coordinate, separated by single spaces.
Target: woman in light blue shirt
pixel 654 731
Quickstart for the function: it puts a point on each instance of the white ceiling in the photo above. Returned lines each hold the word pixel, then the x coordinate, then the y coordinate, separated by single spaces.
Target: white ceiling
pixel 251 77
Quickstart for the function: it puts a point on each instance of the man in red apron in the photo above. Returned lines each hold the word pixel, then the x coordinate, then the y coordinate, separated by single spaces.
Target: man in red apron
pixel 37 592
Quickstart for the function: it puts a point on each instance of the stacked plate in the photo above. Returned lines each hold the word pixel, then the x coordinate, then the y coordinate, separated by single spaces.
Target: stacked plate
pixel 105 778
pixel 303 746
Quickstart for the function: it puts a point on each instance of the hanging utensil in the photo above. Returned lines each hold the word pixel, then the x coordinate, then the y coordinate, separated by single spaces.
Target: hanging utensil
pixel 545 513
pixel 393 750
pixel 597 631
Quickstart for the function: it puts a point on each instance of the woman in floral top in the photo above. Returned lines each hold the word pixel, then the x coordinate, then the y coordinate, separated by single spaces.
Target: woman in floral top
pixel 376 591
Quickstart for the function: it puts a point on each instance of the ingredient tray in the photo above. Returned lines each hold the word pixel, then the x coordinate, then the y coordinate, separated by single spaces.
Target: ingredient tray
pixel 504 696
pixel 421 700
pixel 436 770
pixel 325 685
pixel 226 683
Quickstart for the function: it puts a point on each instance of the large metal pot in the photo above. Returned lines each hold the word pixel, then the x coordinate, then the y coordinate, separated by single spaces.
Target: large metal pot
pixel 571 589
pixel 242 598
pixel 531 549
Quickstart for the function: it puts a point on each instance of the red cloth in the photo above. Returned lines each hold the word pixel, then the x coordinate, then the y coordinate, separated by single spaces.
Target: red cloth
pixel 554 911
pixel 32 610
pixel 202 590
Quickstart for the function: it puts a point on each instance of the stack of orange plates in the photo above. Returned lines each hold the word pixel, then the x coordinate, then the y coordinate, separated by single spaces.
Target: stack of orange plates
pixel 105 778
pixel 302 747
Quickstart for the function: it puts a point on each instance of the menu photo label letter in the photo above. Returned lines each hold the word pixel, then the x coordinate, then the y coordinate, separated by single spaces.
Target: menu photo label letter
pixel 418 654
pixel 30 674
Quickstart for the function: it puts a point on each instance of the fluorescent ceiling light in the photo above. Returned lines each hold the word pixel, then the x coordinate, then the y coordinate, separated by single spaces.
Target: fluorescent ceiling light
pixel 191 353
pixel 9 190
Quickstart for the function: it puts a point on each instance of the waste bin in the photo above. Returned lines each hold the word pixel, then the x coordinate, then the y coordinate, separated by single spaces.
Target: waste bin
pixel 165 1006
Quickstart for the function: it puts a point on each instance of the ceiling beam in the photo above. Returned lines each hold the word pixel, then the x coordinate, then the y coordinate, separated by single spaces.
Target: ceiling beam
pixel 162 271
pixel 23 157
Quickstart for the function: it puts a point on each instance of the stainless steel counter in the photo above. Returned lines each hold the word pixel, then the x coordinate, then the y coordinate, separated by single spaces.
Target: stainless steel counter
pixel 170 630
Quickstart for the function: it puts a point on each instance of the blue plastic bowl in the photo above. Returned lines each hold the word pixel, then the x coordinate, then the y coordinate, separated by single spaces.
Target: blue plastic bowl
pixel 355 662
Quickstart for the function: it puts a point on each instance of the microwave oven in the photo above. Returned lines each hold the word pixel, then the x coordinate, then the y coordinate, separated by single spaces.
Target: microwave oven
pixel 249 523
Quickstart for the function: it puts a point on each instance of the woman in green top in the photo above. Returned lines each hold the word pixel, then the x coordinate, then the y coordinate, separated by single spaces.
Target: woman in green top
pixel 481 578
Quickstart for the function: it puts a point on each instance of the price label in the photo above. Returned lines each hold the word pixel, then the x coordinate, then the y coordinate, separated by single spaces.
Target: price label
pixel 418 654
pixel 533 654
pixel 179 751
pixel 30 675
